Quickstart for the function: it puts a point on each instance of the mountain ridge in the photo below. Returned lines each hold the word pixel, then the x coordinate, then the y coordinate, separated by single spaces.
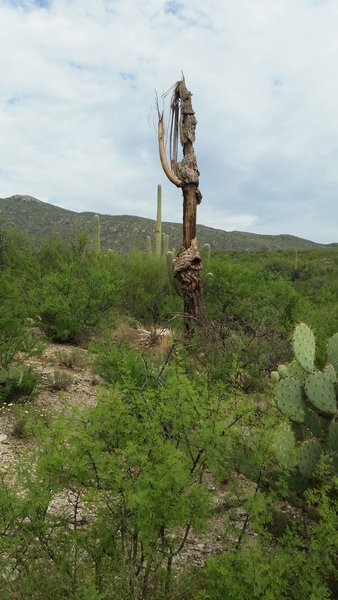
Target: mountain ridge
pixel 123 232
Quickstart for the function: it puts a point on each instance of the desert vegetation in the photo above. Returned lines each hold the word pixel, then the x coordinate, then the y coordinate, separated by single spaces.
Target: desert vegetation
pixel 199 470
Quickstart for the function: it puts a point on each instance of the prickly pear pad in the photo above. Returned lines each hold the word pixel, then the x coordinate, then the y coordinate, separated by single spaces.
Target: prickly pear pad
pixel 308 455
pixel 290 399
pixel 333 433
pixel 331 372
pixel 304 346
pixel 321 392
pixel 332 351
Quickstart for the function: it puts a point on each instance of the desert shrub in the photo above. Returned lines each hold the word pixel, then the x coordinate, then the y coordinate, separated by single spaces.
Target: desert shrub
pixel 78 292
pixel 127 483
pixel 15 332
pixel 17 383
pixel 136 462
pixel 250 315
pixel 302 563
pixel 244 296
pixel 116 361
pixel 60 380
pixel 146 294
pixel 74 358
pixel 118 489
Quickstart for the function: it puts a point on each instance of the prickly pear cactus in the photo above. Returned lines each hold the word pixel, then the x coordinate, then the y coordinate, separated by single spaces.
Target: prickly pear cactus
pixel 290 399
pixel 307 457
pixel 308 398
pixel 333 435
pixel 275 376
pixel 316 424
pixel 321 393
pixel 304 346
pixel 332 351
pixel 293 369
pixel 331 373
pixel 283 371
pixel 283 445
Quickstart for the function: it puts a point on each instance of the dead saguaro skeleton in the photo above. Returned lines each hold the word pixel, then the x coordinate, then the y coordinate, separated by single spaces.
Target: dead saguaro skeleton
pixel 185 174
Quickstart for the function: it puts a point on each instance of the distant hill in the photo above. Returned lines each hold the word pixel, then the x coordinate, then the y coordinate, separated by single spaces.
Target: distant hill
pixel 40 219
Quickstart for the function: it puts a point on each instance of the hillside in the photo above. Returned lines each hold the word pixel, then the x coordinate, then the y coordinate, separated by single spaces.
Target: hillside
pixel 40 219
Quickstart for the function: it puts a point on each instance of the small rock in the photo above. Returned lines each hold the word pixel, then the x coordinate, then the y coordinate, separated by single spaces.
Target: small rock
pixel 3 437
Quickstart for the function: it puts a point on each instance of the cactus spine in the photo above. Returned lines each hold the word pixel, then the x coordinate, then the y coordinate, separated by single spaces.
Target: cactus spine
pixel 97 235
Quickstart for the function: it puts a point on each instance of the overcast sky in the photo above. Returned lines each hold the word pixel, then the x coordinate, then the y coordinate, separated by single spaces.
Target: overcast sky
pixel 78 120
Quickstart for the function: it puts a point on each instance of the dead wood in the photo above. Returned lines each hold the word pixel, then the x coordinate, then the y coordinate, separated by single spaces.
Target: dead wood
pixel 185 174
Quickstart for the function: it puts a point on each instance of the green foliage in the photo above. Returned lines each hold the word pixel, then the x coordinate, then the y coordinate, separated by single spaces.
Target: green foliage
pixel 107 503
pixel 118 363
pixel 17 383
pixel 17 300
pixel 302 564
pixel 136 462
pixel 118 488
pixel 145 294
pixel 78 290
pixel 251 312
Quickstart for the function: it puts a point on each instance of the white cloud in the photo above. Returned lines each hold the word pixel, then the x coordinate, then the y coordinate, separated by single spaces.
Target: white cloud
pixel 78 121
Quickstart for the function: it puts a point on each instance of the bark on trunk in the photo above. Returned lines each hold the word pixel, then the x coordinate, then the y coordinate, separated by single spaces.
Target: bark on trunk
pixel 185 174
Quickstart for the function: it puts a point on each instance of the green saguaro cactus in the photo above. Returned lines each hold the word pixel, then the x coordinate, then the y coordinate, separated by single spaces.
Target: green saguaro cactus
pixel 96 235
pixel 158 232
pixel 165 244
pixel 205 254
pixel 160 246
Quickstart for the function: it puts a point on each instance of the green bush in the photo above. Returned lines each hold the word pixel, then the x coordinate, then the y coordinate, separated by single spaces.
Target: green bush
pixel 146 293
pixel 105 507
pixel 17 383
pixel 301 564
pixel 78 292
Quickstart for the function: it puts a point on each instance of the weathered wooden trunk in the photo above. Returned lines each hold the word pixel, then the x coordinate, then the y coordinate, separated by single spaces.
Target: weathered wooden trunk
pixel 185 174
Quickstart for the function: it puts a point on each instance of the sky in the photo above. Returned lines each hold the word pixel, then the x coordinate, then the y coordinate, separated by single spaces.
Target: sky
pixel 78 119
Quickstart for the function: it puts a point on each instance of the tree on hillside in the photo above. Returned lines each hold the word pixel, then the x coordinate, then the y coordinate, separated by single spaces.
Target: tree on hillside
pixel 185 175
